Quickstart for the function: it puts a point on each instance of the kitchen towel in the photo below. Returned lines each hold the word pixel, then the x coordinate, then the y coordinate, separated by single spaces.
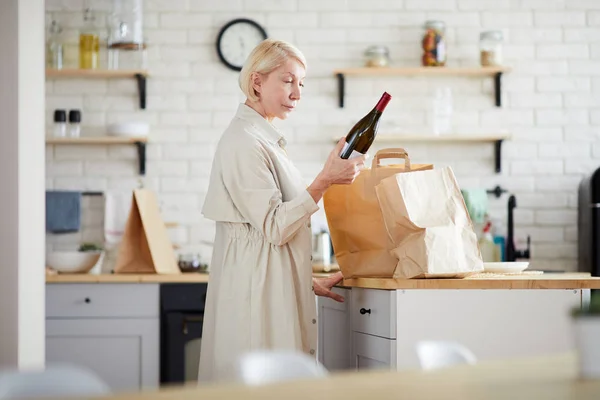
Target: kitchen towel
pixel 63 211
pixel 116 211
pixel 476 201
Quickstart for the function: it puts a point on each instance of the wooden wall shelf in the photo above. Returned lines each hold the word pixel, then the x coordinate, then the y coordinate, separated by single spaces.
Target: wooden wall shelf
pixel 139 75
pixel 495 72
pixel 139 142
pixel 496 139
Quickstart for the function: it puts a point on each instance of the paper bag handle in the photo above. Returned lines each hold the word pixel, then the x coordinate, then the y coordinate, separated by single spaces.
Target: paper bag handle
pixel 391 153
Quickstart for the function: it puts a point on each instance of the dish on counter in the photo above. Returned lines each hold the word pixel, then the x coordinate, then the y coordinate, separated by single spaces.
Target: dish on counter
pixel 505 267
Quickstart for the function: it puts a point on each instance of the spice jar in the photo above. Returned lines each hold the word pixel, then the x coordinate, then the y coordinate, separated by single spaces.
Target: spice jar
pixel 434 44
pixel 377 56
pixel 490 47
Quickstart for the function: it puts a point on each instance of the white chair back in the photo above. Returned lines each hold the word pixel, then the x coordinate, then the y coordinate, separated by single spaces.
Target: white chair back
pixel 58 381
pixel 262 367
pixel 440 354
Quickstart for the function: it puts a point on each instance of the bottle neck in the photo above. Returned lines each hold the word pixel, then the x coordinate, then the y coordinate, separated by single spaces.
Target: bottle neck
pixel 382 103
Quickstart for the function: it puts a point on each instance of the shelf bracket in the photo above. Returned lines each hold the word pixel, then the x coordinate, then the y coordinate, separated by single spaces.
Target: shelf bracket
pixel 341 87
pixel 498 88
pixel 141 81
pixel 141 147
pixel 498 154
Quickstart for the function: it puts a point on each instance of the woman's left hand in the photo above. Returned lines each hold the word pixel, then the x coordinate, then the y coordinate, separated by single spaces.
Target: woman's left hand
pixel 323 286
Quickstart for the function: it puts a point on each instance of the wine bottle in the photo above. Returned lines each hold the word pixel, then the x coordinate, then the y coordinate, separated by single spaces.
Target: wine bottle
pixel 363 133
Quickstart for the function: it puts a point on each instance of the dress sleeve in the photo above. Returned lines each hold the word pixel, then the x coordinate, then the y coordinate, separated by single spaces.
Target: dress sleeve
pixel 248 176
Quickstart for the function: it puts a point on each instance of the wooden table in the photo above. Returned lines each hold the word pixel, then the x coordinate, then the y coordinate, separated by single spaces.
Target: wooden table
pixel 552 377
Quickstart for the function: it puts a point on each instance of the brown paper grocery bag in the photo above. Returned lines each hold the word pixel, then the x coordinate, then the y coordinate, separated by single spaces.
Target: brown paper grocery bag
pixel 360 241
pixel 145 247
pixel 427 220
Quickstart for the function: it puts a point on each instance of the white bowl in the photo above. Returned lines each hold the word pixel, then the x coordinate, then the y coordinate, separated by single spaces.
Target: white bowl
pixel 72 262
pixel 129 129
pixel 505 267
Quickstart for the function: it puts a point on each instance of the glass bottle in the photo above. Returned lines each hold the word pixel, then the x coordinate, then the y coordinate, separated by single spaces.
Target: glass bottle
pixel 434 44
pixel 54 47
pixel 89 43
pixel 490 48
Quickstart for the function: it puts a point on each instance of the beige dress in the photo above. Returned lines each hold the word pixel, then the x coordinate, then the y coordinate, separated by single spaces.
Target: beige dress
pixel 260 292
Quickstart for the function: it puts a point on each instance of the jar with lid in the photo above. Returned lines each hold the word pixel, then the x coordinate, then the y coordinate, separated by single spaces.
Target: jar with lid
pixel 434 44
pixel 377 56
pixel 490 47
pixel 126 47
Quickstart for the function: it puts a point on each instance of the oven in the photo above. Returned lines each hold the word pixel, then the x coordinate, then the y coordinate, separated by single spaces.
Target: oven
pixel 181 321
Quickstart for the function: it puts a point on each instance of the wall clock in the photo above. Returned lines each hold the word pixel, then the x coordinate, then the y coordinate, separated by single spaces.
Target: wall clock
pixel 236 40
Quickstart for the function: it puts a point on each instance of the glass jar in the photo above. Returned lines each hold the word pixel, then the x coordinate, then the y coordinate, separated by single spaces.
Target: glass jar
pixel 377 56
pixel 126 47
pixel 434 44
pixel 490 48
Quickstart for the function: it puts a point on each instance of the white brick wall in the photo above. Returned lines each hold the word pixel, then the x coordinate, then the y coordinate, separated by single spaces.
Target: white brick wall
pixel 551 103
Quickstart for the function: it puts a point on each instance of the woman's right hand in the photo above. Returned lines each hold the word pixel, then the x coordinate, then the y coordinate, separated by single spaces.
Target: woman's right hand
pixel 339 171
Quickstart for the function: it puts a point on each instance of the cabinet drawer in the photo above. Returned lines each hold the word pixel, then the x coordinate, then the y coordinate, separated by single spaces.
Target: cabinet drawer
pixel 101 300
pixel 373 311
pixel 373 352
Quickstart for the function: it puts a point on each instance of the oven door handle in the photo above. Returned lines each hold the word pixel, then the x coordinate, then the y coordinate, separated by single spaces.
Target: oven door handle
pixel 195 319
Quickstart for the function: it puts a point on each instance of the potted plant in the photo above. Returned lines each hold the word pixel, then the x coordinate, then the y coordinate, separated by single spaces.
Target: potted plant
pixel 587 332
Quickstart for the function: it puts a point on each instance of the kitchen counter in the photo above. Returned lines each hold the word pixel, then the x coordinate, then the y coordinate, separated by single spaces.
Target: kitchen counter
pixel 191 277
pixel 127 278
pixel 542 281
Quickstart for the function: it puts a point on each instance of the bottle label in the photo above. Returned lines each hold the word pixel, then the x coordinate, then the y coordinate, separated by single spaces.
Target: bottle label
pixel 354 152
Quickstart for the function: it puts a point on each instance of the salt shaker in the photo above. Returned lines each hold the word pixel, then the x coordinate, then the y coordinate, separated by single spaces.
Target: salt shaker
pixel 60 123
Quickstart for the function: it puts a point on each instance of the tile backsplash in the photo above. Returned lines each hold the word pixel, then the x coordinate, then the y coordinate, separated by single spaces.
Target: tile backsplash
pixel 550 104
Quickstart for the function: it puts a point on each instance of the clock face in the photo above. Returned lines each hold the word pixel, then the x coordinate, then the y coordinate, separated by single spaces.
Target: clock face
pixel 236 40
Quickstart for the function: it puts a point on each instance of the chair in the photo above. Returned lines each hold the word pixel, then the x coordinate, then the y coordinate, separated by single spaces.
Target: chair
pixel 58 381
pixel 263 367
pixel 441 354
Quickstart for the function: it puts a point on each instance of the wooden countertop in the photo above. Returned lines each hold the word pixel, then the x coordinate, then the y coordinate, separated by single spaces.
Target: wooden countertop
pixel 551 377
pixel 191 277
pixel 138 278
pixel 543 281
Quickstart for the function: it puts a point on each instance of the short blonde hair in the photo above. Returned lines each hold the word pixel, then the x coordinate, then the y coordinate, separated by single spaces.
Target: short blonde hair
pixel 269 55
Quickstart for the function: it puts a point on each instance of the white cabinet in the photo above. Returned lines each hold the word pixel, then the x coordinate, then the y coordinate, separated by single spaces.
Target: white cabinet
pixel 112 329
pixel 335 344
pixel 382 327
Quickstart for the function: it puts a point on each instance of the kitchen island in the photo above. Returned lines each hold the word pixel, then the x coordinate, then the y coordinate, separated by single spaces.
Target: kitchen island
pixel 496 317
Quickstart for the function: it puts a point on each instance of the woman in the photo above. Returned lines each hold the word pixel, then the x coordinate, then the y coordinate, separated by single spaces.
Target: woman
pixel 261 294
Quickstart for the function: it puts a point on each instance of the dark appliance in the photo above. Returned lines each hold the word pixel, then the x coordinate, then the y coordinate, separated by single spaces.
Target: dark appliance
pixel 181 319
pixel 588 223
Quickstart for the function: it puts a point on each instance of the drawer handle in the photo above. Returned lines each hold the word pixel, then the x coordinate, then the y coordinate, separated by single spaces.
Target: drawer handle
pixel 365 311
pixel 87 300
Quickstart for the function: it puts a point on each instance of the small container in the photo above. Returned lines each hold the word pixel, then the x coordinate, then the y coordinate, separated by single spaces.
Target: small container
pixel 74 123
pixel 434 44
pixel 490 48
pixel 377 56
pixel 60 123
